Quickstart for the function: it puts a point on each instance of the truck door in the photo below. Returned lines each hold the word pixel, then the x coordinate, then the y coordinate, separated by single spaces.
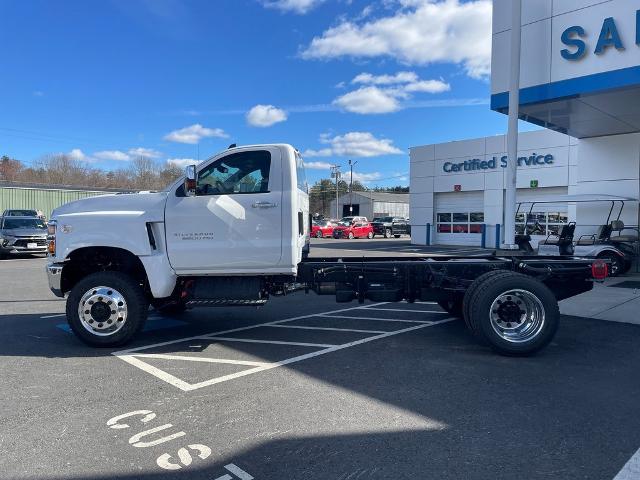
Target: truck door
pixel 234 223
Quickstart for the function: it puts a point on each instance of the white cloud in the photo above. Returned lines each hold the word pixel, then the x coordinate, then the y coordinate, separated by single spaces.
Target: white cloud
pixel 144 152
pixel 318 165
pixel 368 100
pixel 296 6
pixel 366 177
pixel 194 133
pixel 400 77
pixel 421 32
pixel 78 154
pixel 265 116
pixel 354 144
pixel 373 99
pixel 427 86
pixel 182 162
pixel 116 155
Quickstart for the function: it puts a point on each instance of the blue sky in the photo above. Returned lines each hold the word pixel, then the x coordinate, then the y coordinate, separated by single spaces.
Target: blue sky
pixel 107 80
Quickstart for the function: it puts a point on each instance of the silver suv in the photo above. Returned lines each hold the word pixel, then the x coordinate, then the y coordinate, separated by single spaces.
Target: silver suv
pixel 22 235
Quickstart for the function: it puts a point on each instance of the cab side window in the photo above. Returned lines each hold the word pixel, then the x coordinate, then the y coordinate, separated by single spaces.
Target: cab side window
pixel 238 173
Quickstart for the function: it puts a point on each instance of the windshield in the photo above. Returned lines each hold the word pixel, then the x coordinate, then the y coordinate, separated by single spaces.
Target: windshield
pixel 386 219
pixel 21 213
pixel 16 223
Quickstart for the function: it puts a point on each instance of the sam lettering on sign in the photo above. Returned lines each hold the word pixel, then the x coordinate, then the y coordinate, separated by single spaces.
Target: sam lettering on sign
pixel 574 38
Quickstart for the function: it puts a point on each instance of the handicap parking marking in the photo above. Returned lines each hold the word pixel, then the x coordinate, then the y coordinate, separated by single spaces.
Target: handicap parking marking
pixel 136 356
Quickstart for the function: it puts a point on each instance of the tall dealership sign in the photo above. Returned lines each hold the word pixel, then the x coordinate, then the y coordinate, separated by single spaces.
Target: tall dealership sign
pixel 572 52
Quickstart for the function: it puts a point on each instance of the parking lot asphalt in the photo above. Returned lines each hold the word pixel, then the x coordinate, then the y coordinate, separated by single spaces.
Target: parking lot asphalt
pixel 304 388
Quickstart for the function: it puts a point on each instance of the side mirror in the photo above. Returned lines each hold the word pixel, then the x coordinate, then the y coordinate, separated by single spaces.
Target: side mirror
pixel 190 180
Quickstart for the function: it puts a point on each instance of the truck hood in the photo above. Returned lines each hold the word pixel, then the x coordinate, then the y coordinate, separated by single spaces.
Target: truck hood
pixel 147 206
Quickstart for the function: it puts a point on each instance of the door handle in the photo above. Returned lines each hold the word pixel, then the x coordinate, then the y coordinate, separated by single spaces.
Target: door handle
pixel 264 205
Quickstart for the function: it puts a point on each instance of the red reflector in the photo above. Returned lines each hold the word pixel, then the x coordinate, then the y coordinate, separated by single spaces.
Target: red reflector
pixel 599 270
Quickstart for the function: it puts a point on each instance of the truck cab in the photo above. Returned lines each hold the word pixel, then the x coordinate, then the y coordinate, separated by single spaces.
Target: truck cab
pixel 231 234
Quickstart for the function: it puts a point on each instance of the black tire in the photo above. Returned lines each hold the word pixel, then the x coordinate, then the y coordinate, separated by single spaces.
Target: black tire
pixel 397 236
pixel 617 266
pixel 319 234
pixel 466 302
pixel 526 289
pixel 351 236
pixel 387 233
pixel 452 306
pixel 137 306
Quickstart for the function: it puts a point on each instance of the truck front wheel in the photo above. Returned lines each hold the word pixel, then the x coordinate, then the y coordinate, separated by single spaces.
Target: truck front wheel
pixel 106 309
pixel 515 314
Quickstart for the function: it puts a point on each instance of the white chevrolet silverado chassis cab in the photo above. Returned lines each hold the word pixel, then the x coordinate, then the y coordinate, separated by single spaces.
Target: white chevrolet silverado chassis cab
pixel 231 232
pixel 235 231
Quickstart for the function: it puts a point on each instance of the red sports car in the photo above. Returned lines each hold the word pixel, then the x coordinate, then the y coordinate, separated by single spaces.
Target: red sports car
pixel 353 230
pixel 322 229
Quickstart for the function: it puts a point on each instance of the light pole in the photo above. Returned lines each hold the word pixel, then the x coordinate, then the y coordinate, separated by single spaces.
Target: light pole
pixel 351 164
pixel 512 133
pixel 335 173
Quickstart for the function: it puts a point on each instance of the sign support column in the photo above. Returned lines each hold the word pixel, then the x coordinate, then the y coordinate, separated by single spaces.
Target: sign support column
pixel 512 133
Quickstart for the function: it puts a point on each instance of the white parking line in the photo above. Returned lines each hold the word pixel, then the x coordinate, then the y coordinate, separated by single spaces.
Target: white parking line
pixel 56 315
pixel 274 342
pixel 631 470
pixel 163 356
pixel 405 310
pixel 327 328
pixel 375 319
pixel 135 356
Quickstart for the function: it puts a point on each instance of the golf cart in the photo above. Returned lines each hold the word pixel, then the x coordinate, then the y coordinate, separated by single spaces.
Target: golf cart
pixel 607 243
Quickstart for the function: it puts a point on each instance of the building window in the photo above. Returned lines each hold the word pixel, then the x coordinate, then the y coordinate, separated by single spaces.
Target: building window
pixel 460 222
pixel 544 223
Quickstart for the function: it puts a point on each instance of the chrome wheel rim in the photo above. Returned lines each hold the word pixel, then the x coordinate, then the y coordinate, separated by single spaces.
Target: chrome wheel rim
pixel 517 316
pixel 102 311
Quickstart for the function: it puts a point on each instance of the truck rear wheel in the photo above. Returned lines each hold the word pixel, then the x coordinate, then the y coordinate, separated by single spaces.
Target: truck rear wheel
pixel 516 314
pixel 466 303
pixel 107 309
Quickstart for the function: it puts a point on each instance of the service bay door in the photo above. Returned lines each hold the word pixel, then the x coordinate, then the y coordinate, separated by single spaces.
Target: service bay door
pixel 234 223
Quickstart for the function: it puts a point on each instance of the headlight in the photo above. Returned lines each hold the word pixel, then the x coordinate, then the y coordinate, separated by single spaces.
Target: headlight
pixel 6 240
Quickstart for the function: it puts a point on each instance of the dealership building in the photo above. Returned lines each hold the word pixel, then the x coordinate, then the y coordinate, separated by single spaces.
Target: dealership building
pixel 580 81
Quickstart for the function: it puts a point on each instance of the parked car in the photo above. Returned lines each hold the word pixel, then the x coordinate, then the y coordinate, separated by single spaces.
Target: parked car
pixel 388 226
pixel 353 230
pixel 20 213
pixel 321 229
pixel 22 235
pixel 353 219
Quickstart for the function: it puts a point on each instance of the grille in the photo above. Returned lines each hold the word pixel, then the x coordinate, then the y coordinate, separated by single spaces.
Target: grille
pixel 41 242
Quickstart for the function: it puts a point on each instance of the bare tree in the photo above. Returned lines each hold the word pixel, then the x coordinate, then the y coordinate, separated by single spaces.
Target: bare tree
pixel 10 169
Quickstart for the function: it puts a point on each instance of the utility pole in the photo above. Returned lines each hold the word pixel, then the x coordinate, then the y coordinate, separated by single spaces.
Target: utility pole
pixel 512 133
pixel 335 173
pixel 351 164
